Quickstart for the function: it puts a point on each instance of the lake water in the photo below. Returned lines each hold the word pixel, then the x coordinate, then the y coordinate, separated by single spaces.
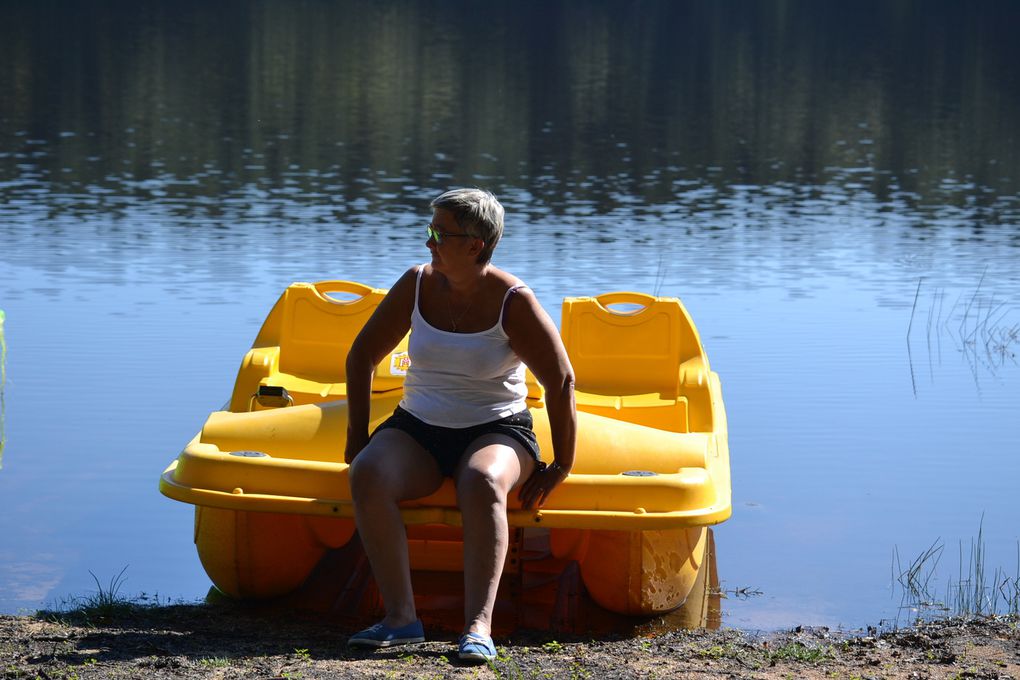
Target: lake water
pixel 812 179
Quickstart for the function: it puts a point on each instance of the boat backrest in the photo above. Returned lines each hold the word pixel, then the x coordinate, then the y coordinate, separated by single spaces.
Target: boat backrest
pixel 628 343
pixel 320 322
pixel 318 325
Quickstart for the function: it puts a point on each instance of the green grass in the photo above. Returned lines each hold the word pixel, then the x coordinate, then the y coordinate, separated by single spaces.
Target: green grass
pixel 797 651
pixel 105 604
pixel 215 662
pixel 504 666
pixel 719 652
pixel 768 654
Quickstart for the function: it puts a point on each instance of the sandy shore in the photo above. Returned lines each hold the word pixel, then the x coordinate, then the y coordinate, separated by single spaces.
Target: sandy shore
pixel 207 641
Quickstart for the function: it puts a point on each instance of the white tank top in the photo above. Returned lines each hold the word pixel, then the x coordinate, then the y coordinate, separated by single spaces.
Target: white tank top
pixel 461 379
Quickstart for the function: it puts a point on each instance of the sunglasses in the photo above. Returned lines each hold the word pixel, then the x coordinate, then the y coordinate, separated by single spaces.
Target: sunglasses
pixel 438 236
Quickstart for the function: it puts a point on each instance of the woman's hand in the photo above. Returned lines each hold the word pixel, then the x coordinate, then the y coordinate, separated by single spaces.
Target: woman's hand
pixel 540 484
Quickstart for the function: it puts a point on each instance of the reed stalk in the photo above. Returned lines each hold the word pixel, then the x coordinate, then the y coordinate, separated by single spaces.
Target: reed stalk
pixel 978 324
pixel 974 592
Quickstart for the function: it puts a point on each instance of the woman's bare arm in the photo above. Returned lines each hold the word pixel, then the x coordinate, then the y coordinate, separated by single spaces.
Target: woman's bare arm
pixel 534 338
pixel 384 329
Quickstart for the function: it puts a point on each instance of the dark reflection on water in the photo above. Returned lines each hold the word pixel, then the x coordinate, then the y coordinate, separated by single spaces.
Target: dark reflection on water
pixel 589 107
pixel 792 170
pixel 141 131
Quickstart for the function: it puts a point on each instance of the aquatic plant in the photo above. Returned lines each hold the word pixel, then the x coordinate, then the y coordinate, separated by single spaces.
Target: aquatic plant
pixel 980 326
pixel 916 578
pixel 971 593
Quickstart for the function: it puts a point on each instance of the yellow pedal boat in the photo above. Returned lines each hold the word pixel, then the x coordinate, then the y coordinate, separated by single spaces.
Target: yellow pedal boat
pixel 651 471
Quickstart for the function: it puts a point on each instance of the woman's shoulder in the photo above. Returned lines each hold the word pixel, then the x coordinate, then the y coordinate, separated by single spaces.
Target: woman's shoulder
pixel 505 279
pixel 403 289
pixel 409 277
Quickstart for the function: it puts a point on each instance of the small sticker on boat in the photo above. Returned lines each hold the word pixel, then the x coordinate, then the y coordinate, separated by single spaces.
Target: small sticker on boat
pixel 399 363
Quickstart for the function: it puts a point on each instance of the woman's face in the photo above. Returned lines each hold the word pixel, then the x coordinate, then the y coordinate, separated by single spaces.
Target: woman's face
pixel 451 246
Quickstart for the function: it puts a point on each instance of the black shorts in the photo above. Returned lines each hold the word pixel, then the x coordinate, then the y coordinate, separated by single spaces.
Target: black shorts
pixel 447 444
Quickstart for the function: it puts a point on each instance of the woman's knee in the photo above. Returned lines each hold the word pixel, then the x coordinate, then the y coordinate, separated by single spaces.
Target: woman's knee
pixel 368 476
pixel 393 468
pixel 481 485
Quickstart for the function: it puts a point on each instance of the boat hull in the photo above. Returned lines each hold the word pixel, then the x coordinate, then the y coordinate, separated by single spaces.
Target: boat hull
pixel 259 555
pixel 272 498
pixel 651 470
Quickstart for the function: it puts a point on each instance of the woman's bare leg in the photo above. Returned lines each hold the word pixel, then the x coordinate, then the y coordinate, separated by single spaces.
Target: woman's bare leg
pixel 491 468
pixel 392 468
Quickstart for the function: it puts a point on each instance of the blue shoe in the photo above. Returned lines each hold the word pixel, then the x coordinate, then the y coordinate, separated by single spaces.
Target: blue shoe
pixel 384 636
pixel 476 647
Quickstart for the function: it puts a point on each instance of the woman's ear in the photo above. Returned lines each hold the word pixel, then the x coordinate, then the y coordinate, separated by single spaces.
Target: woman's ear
pixel 477 246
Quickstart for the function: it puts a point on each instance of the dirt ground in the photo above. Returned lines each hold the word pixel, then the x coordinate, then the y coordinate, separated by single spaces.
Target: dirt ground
pixel 209 641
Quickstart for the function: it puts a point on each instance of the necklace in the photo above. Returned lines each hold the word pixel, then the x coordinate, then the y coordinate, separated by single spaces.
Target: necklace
pixel 455 320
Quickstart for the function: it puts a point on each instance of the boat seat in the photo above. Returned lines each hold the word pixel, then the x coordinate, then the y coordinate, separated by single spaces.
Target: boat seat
pixel 305 391
pixel 636 358
pixel 303 347
pixel 304 342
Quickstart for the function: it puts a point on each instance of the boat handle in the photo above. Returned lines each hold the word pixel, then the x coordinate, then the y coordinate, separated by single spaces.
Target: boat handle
pixel 351 287
pixel 643 300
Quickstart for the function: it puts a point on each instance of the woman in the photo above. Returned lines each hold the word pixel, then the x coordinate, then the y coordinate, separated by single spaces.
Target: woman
pixel 463 414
